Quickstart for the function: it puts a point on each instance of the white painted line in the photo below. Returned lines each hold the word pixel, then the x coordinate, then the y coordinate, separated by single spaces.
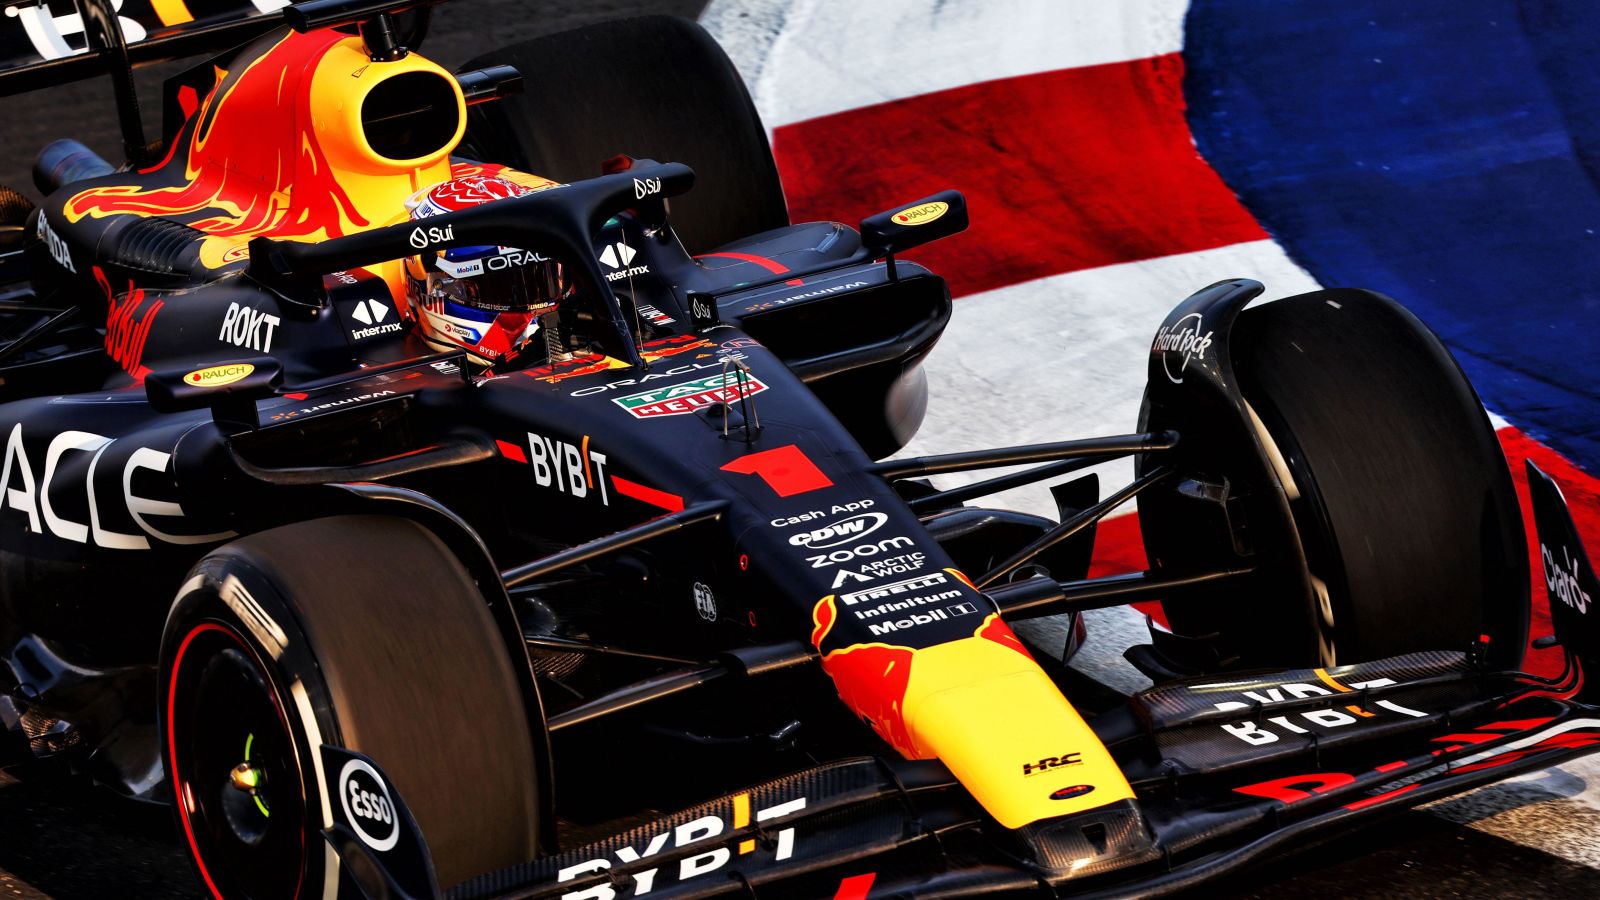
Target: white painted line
pixel 1064 357
pixel 809 58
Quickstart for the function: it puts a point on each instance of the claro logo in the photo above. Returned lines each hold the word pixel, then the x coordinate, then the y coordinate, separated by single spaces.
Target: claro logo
pixel 1562 579
pixel 843 531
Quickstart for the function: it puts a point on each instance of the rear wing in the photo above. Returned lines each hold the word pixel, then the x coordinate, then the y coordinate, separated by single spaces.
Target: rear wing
pixel 58 41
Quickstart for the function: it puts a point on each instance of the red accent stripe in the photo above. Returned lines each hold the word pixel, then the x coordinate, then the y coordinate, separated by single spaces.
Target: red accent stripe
pixel 668 502
pixel 771 265
pixel 511 451
pixel 172 754
pixel 1390 767
pixel 1469 737
pixel 855 887
pixel 172 746
pixel 1517 724
pixel 1062 171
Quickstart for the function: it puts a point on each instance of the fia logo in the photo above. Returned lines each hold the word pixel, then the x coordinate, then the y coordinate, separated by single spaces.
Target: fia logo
pixel 705 602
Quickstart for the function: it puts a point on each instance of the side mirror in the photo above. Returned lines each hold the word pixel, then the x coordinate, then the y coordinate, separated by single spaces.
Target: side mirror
pixel 230 389
pixel 928 219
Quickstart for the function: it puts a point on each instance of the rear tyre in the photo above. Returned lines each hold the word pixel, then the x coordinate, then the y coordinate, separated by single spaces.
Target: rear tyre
pixel 359 631
pixel 1401 494
pixel 654 87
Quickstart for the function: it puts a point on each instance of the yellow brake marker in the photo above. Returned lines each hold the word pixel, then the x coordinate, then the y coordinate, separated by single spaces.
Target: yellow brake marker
pixel 741 818
pixel 1328 680
pixel 172 12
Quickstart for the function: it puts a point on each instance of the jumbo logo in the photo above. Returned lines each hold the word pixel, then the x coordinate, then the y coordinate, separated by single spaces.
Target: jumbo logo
pixel 843 531
pixel 921 214
pixel 1563 582
pixel 217 376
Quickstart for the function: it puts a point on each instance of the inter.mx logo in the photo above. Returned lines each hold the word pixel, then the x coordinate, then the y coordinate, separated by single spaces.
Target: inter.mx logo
pixel 617 256
pixel 371 313
pixel 688 396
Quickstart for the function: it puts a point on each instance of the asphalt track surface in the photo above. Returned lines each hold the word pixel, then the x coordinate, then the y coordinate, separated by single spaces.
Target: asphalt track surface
pixel 62 838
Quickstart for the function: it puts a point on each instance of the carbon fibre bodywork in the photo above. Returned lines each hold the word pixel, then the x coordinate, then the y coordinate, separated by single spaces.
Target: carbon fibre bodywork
pixel 683 519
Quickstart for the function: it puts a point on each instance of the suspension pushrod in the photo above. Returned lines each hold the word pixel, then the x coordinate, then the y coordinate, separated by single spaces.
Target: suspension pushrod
pixel 568 645
pixel 1008 481
pixel 1071 527
pixel 1041 596
pixel 611 543
pixel 1112 446
pixel 639 692
pixel 746 662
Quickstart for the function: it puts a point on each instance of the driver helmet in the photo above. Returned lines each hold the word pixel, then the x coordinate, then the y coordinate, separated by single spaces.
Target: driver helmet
pixel 486 300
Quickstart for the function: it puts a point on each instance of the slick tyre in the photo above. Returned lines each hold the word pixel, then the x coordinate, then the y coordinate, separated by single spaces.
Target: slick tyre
pixel 1397 484
pixel 358 631
pixel 654 87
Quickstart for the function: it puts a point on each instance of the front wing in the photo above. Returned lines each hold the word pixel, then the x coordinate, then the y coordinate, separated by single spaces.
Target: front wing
pixel 1397 733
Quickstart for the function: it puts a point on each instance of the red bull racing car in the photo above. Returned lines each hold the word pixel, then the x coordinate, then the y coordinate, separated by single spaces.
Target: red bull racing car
pixel 418 525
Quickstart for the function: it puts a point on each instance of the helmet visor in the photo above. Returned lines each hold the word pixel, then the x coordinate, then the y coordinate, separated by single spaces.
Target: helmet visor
pixel 501 283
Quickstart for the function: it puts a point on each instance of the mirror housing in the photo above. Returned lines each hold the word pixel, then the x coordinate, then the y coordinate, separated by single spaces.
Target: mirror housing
pixel 231 389
pixel 929 219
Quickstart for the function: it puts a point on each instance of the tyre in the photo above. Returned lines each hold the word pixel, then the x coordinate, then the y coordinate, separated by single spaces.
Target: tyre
pixel 1397 485
pixel 654 87
pixel 358 631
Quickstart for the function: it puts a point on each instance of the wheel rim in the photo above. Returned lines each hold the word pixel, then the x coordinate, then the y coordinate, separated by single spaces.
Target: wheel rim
pixel 234 769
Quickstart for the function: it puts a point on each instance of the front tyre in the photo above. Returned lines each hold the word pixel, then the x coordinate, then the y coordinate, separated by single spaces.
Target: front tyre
pixel 357 631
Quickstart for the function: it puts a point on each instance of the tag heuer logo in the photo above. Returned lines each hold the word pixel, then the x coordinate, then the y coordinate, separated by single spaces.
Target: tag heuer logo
pixel 617 255
pixel 677 399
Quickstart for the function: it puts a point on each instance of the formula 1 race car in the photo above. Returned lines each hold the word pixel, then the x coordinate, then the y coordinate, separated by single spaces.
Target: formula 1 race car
pixel 414 524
